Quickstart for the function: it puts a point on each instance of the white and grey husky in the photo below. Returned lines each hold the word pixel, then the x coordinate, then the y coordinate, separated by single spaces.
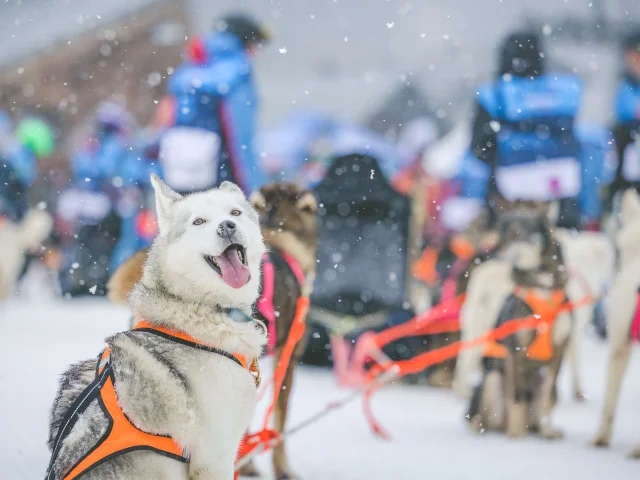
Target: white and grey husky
pixel 201 278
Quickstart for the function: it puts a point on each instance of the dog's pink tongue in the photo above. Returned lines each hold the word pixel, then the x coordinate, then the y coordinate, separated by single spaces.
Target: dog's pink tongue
pixel 234 273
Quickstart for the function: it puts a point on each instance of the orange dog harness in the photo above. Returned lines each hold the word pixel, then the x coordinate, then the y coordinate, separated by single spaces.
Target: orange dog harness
pixel 122 436
pixel 546 311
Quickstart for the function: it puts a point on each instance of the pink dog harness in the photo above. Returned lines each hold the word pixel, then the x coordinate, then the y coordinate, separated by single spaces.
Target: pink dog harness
pixel 265 302
pixel 635 324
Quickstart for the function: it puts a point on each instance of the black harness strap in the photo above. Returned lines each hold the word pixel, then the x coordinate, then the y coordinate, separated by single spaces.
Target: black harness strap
pixel 88 395
pixel 188 343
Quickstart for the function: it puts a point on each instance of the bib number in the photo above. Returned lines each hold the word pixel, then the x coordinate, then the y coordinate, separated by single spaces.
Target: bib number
pixel 189 158
pixel 543 180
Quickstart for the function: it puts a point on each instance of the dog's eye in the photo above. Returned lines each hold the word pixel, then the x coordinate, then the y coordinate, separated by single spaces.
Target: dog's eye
pixel 198 221
pixel 235 212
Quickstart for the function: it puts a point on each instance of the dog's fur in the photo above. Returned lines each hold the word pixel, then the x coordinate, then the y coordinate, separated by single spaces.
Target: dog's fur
pixel 288 219
pixel 516 392
pixel 16 239
pixel 622 307
pixel 200 399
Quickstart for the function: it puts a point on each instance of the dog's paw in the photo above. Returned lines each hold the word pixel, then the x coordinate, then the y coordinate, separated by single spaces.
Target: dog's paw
pixel 580 397
pixel 249 470
pixel 601 441
pixel 286 475
pixel 551 433
pixel 635 453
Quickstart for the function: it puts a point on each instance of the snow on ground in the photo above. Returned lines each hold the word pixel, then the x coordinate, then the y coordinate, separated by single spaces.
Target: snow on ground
pixel 430 438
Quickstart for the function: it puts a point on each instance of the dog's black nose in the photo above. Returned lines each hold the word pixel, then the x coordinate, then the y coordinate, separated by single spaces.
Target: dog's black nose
pixel 226 228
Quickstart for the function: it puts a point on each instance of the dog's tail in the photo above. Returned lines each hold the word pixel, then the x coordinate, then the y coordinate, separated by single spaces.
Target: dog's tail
pixel 126 276
pixel 34 229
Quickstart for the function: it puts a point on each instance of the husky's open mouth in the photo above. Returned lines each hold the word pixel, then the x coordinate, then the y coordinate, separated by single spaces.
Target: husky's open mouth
pixel 231 265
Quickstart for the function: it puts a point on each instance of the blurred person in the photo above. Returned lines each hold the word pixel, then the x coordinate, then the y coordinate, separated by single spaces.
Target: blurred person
pixel 87 212
pixel 523 129
pixel 627 122
pixel 134 201
pixel 215 110
pixel 33 139
pixel 95 164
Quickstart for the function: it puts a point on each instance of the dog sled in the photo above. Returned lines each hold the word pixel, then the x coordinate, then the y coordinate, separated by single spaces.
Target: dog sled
pixel 363 262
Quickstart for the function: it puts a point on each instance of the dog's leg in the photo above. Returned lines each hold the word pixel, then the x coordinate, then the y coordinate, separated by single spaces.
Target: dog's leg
pixel 574 351
pixel 280 463
pixel 494 397
pixel 635 453
pixel 618 361
pixel 547 402
pixel 516 396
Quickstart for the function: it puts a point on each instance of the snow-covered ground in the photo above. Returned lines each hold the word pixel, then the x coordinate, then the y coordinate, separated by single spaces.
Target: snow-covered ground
pixel 430 438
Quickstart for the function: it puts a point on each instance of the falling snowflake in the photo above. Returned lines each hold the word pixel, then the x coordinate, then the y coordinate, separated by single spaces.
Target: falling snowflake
pixel 93 289
pixel 283 50
pixel 390 24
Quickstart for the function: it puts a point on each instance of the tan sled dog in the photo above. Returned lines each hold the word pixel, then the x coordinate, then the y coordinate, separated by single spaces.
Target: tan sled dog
pixel 622 308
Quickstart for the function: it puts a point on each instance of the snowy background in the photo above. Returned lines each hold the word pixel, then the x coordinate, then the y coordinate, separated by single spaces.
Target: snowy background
pixel 346 56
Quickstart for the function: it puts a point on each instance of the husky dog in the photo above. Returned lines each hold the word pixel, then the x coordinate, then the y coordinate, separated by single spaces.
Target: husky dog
pixel 288 219
pixel 516 382
pixel 622 309
pixel 16 239
pixel 204 264
pixel 590 258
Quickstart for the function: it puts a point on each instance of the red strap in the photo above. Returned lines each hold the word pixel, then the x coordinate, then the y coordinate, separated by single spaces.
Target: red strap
pixel 635 325
pixel 294 266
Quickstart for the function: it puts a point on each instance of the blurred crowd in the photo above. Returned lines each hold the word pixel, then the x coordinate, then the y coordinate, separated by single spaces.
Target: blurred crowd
pixel 526 144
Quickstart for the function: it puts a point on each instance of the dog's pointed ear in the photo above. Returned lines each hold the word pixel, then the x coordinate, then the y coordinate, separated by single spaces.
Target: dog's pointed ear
pixel 165 198
pixel 307 202
pixel 630 206
pixel 231 187
pixel 257 200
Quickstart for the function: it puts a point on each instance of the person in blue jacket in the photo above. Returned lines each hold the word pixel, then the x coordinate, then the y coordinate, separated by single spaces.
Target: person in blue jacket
pixel 523 129
pixel 627 121
pixel 19 153
pixel 216 109
pixel 95 165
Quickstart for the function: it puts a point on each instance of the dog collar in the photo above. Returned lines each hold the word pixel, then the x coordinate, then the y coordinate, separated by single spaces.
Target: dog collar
pixel 185 339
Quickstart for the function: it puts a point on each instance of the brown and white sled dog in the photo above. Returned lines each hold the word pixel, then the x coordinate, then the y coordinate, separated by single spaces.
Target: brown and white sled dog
pixel 287 216
pixel 623 303
pixel 16 240
pixel 516 391
pixel 201 278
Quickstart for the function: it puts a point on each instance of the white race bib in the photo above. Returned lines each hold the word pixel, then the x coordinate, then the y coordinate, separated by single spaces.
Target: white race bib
pixel 631 163
pixel 78 204
pixel 458 212
pixel 189 158
pixel 542 181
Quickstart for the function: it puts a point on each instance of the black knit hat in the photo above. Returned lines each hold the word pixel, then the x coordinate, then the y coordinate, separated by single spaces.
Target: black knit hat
pixel 631 41
pixel 243 26
pixel 521 55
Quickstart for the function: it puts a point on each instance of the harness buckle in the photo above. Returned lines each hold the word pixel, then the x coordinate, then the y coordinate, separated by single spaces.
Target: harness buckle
pixel 254 370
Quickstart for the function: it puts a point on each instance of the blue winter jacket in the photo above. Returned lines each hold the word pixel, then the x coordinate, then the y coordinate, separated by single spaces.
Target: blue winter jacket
pixel 18 169
pixel 220 96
